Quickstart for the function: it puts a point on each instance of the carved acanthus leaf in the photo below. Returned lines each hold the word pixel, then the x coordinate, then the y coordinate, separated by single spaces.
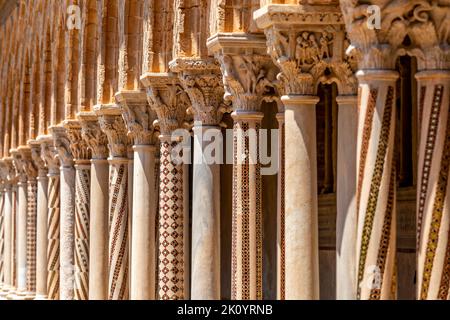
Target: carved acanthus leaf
pixel 93 136
pixel 62 146
pixel 78 145
pixel 37 159
pixel 50 156
pixel 112 124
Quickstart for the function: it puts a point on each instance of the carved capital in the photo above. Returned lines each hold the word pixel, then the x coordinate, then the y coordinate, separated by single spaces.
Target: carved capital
pixel 49 154
pixel 35 147
pixel 23 164
pixel 93 136
pixel 426 23
pixel 138 116
pixel 7 170
pixel 112 124
pixel 248 72
pixel 62 145
pixel 168 99
pixel 201 79
pixel 78 145
pixel 308 53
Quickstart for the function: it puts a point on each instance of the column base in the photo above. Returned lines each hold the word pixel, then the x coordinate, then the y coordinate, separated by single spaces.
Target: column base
pixel 40 297
pixel 4 292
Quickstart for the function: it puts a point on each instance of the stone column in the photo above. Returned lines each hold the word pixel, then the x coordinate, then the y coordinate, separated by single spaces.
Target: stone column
pixel 248 75
pixel 82 156
pixel 433 215
pixel 6 171
pixel 202 81
pixel 376 241
pixel 169 101
pixel 41 220
pixel 98 225
pixel 346 220
pixel 139 119
pixel 2 232
pixel 50 156
pixel 67 217
pixel 31 173
pixel 112 124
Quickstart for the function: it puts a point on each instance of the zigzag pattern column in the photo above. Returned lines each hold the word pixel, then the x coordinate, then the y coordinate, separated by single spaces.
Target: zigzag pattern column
pixel 82 157
pixel 376 242
pixel 31 237
pixel 433 195
pixel 111 123
pixel 49 155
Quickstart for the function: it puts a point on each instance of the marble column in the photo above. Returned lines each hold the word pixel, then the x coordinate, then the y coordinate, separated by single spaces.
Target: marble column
pixel 376 186
pixel 112 124
pixel 433 200
pixel 2 233
pixel 41 220
pixel 31 173
pixel 202 81
pixel 139 119
pixel 346 219
pixel 81 155
pixel 248 76
pixel 67 213
pixel 50 156
pixel 169 101
pixel 98 224
pixel 301 220
pixel 21 228
pixel 6 170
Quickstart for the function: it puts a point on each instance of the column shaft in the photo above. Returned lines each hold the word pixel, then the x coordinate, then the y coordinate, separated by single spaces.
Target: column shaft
pixel 53 232
pixel 98 244
pixel 21 236
pixel 2 238
pixel 205 220
pixel 301 220
pixel 346 220
pixel 433 194
pixel 82 194
pixel 41 237
pixel 31 237
pixel 376 235
pixel 281 211
pixel 7 258
pixel 143 224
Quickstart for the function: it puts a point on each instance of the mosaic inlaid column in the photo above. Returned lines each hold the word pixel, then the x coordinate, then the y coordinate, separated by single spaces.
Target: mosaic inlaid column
pixel 139 119
pixel 281 210
pixel 376 236
pixel 41 220
pixel 81 155
pixel 31 173
pixel 169 101
pixel 248 76
pixel 112 124
pixel 346 220
pixel 202 81
pixel 99 220
pixel 67 213
pixel 433 198
pixel 50 156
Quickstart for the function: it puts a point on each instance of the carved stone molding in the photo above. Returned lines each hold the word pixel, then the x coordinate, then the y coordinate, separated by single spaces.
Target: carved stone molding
pixel 62 145
pixel 138 116
pixel 39 163
pixel 112 124
pixel 248 72
pixel 49 154
pixel 78 145
pixel 307 54
pixel 201 78
pixel 168 99
pixel 93 136
pixel 425 23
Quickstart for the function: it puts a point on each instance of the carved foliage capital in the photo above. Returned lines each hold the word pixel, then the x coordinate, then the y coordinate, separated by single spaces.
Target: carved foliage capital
pixel 78 145
pixel 7 170
pixel 94 137
pixel 37 159
pixel 112 124
pixel 24 165
pixel 248 79
pixel 50 156
pixel 62 145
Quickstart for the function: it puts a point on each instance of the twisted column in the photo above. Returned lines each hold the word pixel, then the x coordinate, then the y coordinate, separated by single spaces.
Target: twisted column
pixel 139 120
pixel 433 216
pixel 202 81
pixel 111 123
pixel 98 224
pixel 67 217
pixel 41 220
pixel 82 156
pixel 169 101
pixel 376 186
pixel 50 156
